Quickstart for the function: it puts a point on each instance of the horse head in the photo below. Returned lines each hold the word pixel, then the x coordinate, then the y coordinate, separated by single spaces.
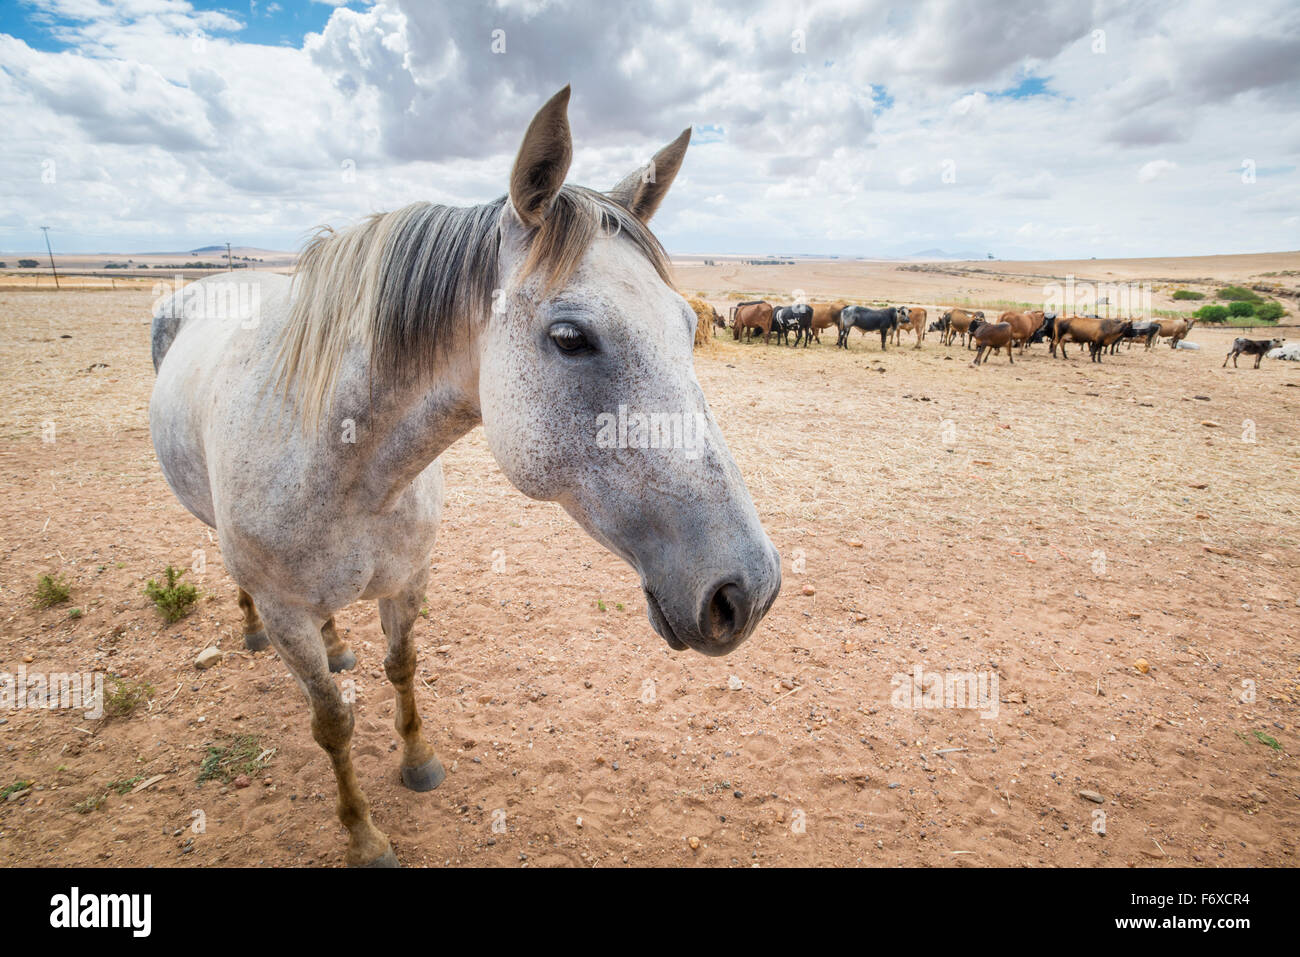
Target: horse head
pixel 589 396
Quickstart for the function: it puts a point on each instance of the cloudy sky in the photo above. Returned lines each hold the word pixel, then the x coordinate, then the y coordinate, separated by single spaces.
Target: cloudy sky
pixel 1040 130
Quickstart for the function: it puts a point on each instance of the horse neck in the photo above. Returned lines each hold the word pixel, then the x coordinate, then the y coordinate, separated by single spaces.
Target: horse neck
pixel 405 427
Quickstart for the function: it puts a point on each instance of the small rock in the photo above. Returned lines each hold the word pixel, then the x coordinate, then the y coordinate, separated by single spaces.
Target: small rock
pixel 694 842
pixel 1092 796
pixel 1142 665
pixel 242 781
pixel 734 683
pixel 207 658
pixel 809 590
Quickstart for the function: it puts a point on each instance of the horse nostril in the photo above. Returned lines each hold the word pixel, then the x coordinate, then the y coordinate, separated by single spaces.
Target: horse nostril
pixel 726 613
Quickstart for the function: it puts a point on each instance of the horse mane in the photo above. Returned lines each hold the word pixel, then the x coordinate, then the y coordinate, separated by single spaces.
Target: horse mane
pixel 406 283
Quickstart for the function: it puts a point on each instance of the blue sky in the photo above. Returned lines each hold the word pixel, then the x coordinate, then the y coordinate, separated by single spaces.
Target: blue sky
pixel 1061 129
pixel 274 23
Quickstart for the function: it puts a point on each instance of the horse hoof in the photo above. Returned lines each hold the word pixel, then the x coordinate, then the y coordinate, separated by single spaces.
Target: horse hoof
pixel 256 641
pixel 425 777
pixel 343 662
pixel 386 859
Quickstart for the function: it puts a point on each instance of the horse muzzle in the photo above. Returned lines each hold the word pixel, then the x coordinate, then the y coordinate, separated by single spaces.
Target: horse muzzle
pixel 715 619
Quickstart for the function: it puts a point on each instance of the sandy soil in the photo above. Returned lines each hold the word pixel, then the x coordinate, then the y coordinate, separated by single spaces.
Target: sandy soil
pixel 1051 522
pixel 998 283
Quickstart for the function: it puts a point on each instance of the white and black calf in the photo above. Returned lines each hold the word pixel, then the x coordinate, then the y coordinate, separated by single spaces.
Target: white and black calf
pixel 1251 347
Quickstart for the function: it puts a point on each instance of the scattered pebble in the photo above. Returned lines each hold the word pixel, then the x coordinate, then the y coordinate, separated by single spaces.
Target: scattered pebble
pixel 207 658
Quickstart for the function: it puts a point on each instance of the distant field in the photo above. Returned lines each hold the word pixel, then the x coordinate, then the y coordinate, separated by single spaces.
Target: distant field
pixel 995 283
pixel 1119 543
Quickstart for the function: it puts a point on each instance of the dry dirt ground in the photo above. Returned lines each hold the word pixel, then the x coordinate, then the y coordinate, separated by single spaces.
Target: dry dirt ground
pixel 996 283
pixel 1050 522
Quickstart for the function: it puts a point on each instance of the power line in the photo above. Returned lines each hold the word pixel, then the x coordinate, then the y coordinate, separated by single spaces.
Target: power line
pixel 46 230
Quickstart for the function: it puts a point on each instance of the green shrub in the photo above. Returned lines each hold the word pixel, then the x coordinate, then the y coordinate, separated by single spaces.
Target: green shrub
pixel 1238 294
pixel 1240 308
pixel 50 591
pixel 1188 294
pixel 173 599
pixel 1270 311
pixel 1212 313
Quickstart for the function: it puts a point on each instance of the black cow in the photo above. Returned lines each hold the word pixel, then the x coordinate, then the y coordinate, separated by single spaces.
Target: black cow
pixel 1251 347
pixel 1045 330
pixel 867 319
pixel 1146 331
pixel 782 325
pixel 796 319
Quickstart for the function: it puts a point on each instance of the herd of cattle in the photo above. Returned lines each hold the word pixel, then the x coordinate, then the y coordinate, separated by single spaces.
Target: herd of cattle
pixel 1012 328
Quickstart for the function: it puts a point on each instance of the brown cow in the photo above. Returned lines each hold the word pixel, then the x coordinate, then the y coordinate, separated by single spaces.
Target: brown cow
pixel 826 315
pixel 916 317
pixel 1175 330
pixel 990 337
pixel 755 315
pixel 1023 325
pixel 959 321
pixel 1097 334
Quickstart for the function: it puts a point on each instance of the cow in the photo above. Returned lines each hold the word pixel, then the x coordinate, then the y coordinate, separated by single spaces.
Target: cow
pixel 989 337
pixel 800 314
pixel 1146 331
pixel 1251 347
pixel 1044 332
pixel 958 321
pixel 1125 331
pixel 783 323
pixel 1097 334
pixel 1175 330
pixel 756 315
pixel 913 318
pixel 825 315
pixel 1024 325
pixel 867 319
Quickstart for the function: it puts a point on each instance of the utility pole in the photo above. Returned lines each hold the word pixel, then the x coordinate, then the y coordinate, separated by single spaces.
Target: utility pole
pixel 229 267
pixel 46 230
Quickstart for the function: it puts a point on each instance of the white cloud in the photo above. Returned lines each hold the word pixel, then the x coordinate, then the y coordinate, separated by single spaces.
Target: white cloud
pixel 1155 169
pixel 165 127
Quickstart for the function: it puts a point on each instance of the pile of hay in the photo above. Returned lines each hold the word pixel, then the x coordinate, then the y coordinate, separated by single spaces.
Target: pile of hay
pixel 703 320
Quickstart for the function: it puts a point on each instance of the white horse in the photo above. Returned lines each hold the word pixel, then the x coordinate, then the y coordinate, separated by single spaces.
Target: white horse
pixel 306 428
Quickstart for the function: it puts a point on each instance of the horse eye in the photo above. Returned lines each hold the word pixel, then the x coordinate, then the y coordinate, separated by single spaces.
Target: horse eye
pixel 569 338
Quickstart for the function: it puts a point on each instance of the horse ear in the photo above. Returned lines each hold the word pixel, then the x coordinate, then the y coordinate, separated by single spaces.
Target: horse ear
pixel 644 189
pixel 543 161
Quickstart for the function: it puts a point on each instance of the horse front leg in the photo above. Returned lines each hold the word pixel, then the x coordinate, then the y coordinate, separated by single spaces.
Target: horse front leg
pixel 421 769
pixel 296 635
